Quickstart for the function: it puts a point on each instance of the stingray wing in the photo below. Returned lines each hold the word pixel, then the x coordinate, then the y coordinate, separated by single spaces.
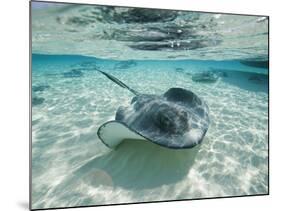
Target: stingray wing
pixel 112 133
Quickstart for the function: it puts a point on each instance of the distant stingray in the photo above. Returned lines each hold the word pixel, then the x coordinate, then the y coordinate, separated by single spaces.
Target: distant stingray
pixel 177 119
pixel 125 64
pixel 255 79
pixel 40 88
pixel 205 77
pixel 258 64
pixel 37 101
pixel 74 73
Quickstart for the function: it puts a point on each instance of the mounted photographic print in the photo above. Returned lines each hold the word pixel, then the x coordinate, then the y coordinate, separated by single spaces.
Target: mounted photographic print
pixel 133 105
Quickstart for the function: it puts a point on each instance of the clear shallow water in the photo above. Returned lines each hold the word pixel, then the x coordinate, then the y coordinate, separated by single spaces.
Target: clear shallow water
pixel 71 166
pixel 151 51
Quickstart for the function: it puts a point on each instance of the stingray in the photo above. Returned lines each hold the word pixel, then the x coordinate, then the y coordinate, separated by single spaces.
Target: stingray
pixel 74 73
pixel 176 119
pixel 205 77
pixel 37 101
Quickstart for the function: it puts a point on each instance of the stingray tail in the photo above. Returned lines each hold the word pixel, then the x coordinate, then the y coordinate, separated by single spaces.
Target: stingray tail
pixel 120 83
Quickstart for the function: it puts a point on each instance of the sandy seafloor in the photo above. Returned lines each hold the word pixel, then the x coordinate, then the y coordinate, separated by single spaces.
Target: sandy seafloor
pixel 72 167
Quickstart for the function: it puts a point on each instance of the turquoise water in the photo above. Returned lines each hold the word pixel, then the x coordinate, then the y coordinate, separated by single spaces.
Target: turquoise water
pixel 72 167
pixel 222 58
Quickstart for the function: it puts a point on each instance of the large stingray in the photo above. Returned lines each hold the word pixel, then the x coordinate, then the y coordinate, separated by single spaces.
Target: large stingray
pixel 177 119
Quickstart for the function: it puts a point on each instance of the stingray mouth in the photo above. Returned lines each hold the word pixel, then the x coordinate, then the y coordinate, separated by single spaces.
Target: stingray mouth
pixel 171 119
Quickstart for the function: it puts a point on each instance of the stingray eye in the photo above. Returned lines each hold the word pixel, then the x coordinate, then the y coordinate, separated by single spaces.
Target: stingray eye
pixel 170 119
pixel 164 119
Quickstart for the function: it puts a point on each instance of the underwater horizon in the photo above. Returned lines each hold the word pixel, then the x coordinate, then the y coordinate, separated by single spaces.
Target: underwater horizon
pixel 221 58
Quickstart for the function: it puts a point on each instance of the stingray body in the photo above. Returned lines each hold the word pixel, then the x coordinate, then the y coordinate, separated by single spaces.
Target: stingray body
pixel 176 119
pixel 205 77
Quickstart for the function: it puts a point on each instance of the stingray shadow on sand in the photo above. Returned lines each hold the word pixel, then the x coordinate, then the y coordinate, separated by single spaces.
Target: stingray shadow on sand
pixel 140 165
pixel 135 165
